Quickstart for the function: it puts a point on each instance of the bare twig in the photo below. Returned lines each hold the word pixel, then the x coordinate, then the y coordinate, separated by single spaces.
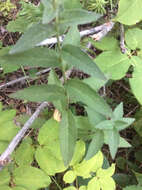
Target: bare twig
pixel 23 78
pixel 107 27
pixel 11 147
pixel 104 28
pixel 122 39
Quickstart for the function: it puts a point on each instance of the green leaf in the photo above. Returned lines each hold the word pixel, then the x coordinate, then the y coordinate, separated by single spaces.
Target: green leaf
pixel 94 117
pixel 4 177
pixel 18 188
pixel 118 111
pixel 30 178
pixel 79 91
pixel 48 13
pixel 36 57
pixel 68 136
pixel 33 36
pixel 136 80
pixel 87 166
pixel 95 83
pixel 69 177
pixel 139 178
pixel 70 17
pixel 93 184
pixel 105 125
pixel 133 38
pixel 123 143
pixel 133 187
pixel 113 63
pixel 84 127
pixel 7 188
pixel 49 158
pixel 72 37
pixel 7 128
pixel 33 93
pixel 107 43
pixel 75 57
pixel 53 78
pixel 113 141
pixel 48 155
pixel 26 148
pixel 70 188
pixel 49 133
pixel 78 153
pixel 71 4
pixel 95 145
pixel 102 173
pixel 129 12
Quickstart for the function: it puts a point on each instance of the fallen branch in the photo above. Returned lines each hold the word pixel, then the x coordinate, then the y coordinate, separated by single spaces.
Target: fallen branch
pixel 5 157
pixel 122 39
pixel 23 78
pixel 107 27
pixel 102 29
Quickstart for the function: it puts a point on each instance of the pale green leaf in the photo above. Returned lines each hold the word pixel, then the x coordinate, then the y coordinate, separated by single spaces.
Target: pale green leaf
pixel 79 91
pixel 133 187
pixel 118 111
pixel 113 141
pixel 49 13
pixel 113 63
pixel 68 136
pixel 107 43
pixel 72 37
pixel 4 177
pixel 95 83
pixel 87 166
pixel 7 188
pixel 18 188
pixel 83 187
pixel 123 143
pixel 49 133
pixel 70 188
pixel 26 148
pixel 129 12
pixel 133 38
pixel 107 183
pixel 71 4
pixel 69 177
pixel 93 184
pixel 49 158
pixel 78 153
pixel 105 125
pixel 101 173
pixel 136 80
pixel 75 57
pixel 30 178
pixel 95 145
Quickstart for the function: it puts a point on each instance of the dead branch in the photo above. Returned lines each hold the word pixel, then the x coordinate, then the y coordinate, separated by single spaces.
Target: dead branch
pixel 102 29
pixel 23 78
pixel 122 39
pixel 11 147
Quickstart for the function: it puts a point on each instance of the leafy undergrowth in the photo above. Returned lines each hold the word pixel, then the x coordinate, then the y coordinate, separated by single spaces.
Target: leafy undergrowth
pixel 83 166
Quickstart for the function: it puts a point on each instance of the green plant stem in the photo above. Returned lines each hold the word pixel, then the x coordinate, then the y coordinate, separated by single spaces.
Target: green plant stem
pixel 25 75
pixel 56 183
pixel 58 40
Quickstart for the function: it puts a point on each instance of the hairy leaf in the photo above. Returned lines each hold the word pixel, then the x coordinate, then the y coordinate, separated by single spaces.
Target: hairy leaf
pixel 75 57
pixel 68 136
pixel 79 91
